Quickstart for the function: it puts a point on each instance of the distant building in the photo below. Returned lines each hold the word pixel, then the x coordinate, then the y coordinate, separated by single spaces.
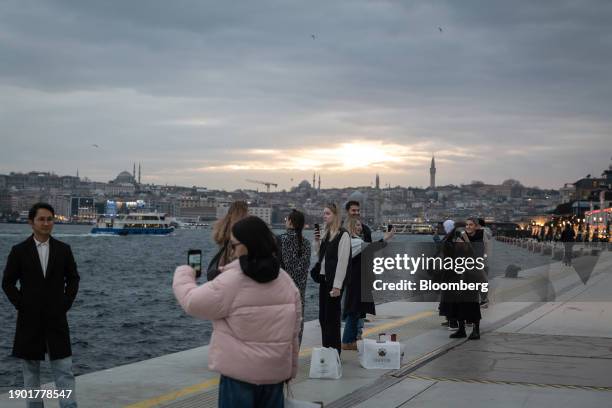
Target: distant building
pixel 588 186
pixel 124 177
pixel 567 192
pixel 82 208
pixel 265 213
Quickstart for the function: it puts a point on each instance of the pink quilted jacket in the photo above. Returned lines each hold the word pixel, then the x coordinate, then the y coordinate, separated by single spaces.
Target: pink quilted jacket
pixel 255 325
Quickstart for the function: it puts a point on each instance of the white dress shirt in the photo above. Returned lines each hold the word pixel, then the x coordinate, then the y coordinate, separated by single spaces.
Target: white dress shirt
pixel 43 254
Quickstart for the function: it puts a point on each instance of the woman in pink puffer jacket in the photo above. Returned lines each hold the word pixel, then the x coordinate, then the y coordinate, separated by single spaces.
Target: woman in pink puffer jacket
pixel 256 312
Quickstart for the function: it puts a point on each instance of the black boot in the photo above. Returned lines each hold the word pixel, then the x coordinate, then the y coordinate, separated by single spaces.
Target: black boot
pixel 475 335
pixel 459 334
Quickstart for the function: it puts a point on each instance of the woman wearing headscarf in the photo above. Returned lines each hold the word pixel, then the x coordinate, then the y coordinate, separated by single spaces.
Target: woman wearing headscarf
pixel 256 313
pixel 465 306
pixel 444 307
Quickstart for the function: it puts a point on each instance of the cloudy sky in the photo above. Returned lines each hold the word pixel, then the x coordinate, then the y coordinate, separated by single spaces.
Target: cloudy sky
pixel 213 93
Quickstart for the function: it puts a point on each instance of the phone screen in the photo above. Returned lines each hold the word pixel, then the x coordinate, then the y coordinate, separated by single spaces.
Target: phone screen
pixel 194 259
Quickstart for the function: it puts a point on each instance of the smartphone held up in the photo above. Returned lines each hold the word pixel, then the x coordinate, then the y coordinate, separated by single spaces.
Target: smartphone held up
pixel 194 259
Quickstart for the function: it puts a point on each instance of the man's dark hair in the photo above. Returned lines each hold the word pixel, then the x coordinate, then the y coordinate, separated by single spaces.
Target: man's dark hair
pixel 351 203
pixel 38 206
pixel 481 222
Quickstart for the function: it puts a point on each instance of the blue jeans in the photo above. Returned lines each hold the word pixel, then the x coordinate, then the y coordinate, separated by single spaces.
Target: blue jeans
pixel 238 394
pixel 62 375
pixel 353 327
pixel 360 325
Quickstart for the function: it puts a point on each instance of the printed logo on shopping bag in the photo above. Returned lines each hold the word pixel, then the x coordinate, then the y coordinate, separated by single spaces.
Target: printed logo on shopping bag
pixel 322 361
pixel 382 356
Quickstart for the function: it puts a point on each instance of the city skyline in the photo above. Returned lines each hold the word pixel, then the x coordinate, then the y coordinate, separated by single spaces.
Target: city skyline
pixel 249 184
pixel 214 94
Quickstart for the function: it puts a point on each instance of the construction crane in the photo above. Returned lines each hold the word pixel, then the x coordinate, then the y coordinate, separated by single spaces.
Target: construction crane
pixel 265 183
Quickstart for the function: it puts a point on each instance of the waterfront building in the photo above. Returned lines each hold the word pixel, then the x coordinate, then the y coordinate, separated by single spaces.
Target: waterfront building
pixel 265 213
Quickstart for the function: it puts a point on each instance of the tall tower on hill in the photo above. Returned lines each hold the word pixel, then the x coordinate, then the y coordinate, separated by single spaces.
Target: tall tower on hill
pixel 432 173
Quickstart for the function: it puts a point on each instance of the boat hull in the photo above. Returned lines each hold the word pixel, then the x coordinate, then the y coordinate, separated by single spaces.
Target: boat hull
pixel 132 231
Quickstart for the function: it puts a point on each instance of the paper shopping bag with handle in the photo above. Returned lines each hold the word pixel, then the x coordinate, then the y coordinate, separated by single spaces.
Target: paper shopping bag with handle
pixel 325 363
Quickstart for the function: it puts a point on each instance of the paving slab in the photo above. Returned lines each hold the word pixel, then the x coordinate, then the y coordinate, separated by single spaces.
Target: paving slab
pixel 466 395
pixel 500 358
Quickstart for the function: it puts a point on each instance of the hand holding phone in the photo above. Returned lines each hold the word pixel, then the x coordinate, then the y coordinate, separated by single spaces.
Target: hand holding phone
pixel 194 259
pixel 317 232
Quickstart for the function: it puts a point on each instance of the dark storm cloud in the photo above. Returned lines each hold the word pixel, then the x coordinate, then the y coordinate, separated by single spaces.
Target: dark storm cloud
pixel 180 85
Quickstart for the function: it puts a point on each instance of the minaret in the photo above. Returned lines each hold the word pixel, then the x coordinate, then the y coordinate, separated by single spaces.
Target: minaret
pixel 432 174
pixel 377 202
pixel 77 173
pixel 134 171
pixel 313 180
pixel 138 173
pixel 319 181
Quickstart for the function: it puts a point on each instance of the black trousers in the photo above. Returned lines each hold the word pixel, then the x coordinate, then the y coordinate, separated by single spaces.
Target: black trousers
pixel 329 316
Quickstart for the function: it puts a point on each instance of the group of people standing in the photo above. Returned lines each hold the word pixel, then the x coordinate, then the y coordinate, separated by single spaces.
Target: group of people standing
pixel 460 308
pixel 255 297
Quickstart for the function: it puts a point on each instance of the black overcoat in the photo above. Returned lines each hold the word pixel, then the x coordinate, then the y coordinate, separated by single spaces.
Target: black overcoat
pixel 41 300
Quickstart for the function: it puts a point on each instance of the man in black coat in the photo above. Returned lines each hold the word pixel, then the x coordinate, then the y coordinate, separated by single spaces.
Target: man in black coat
pixel 353 210
pixel 48 284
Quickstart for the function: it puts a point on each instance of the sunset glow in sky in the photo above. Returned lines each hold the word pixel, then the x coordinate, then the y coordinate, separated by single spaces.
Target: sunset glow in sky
pixel 212 94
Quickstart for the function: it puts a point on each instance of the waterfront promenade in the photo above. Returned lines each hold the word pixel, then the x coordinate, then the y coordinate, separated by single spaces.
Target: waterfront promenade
pixel 532 353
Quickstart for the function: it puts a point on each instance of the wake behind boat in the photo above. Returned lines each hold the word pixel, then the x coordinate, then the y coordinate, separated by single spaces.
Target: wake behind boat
pixel 134 223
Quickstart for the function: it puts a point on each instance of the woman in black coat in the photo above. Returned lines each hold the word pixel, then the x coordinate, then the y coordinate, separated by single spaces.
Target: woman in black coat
pixel 355 308
pixel 463 305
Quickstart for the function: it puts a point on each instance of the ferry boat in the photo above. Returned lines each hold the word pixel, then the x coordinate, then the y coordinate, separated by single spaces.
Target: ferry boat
pixel 413 228
pixel 134 223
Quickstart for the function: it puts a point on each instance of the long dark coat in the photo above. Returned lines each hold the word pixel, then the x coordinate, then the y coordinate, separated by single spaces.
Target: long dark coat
pixel 41 301
pixel 359 280
pixel 352 299
pixel 455 304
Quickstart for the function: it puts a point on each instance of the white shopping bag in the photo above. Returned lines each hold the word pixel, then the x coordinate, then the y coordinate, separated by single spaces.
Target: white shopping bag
pixel 374 354
pixel 325 363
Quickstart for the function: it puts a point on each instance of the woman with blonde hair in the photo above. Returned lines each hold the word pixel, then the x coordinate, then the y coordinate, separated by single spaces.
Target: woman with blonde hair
pixel 334 254
pixel 222 231
pixel 356 307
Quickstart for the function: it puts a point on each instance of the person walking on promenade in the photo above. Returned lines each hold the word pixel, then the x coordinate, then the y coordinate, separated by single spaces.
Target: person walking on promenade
pixel 334 252
pixel 295 255
pixel 221 235
pixel 464 305
pixel 355 308
pixel 567 237
pixel 256 313
pixel 353 209
pixel 48 284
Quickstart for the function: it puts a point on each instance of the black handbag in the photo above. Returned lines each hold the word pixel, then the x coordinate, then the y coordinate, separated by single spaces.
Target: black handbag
pixel 315 272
